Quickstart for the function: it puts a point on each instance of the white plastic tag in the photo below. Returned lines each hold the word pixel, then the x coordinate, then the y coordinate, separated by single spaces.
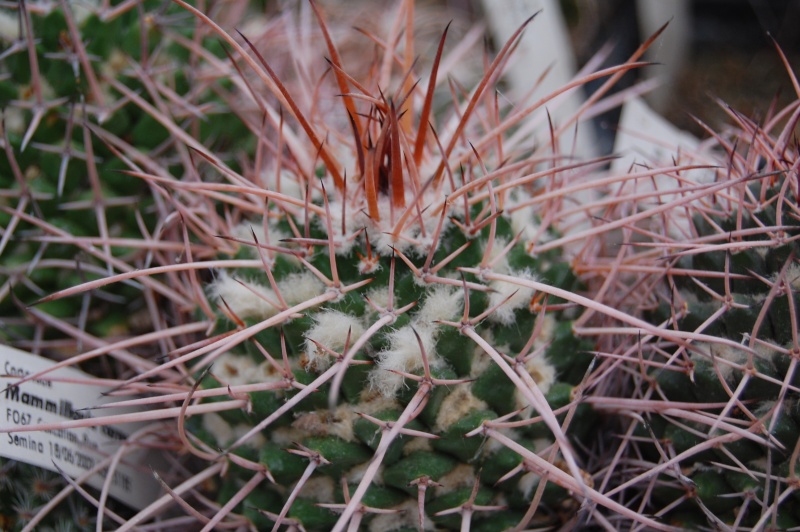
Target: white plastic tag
pixel 645 137
pixel 648 140
pixel 76 450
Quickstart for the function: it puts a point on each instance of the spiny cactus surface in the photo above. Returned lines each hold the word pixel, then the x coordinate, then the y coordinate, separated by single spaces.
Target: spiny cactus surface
pixel 394 300
pixel 709 417
pixel 381 308
pixel 85 90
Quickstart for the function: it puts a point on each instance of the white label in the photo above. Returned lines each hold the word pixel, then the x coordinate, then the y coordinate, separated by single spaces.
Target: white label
pixel 646 140
pixel 74 450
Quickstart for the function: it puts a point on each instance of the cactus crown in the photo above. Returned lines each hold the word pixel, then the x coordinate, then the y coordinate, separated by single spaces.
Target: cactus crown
pixel 383 302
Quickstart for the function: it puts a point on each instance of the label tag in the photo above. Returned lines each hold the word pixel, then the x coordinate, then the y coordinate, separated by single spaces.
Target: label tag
pixel 74 450
pixel 647 140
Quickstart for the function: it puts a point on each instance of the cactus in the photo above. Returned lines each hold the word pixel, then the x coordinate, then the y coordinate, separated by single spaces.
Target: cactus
pixel 387 336
pixel 736 430
pixel 26 491
pixel 379 309
pixel 84 88
pixel 708 417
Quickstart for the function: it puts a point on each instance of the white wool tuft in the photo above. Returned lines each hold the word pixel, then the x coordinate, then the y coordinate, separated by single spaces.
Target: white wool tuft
pixel 499 263
pixel 441 303
pixel 244 231
pixel 501 290
pixel 355 474
pixel 379 296
pixel 15 121
pixel 343 244
pixel 480 360
pixel 403 355
pixel 286 183
pixel 225 434
pixel 298 287
pixel 724 353
pixel 547 331
pixel 9 26
pixel 371 403
pixel 326 423
pixel 543 374
pixel 330 330
pixel 407 518
pixel 320 488
pixel 458 403
pixel 793 275
pixel 522 221
pixel 411 240
pixel 286 436
pixel 527 483
pixel 219 428
pixel 463 476
pixel 414 445
pixel 234 369
pixel 266 372
pixel 245 302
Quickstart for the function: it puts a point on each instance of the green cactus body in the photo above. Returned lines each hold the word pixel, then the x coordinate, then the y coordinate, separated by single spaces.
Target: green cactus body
pixel 757 380
pixel 357 299
pixel 319 336
pixel 61 174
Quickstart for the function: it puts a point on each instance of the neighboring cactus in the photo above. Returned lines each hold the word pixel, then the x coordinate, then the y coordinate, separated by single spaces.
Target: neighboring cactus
pixel 83 89
pixel 711 426
pixel 27 489
pixel 740 426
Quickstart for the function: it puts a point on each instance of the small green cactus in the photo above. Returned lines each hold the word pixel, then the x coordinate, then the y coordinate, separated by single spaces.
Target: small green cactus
pixel 750 379
pixel 363 356
pixel 76 100
pixel 710 407
pixel 384 305
pixel 369 312
pixel 27 489
pixel 82 89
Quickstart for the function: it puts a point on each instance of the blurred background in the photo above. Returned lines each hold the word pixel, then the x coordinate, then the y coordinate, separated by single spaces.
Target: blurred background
pixel 712 49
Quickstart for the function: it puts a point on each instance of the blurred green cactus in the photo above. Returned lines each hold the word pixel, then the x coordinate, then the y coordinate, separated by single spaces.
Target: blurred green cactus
pixel 749 382
pixel 84 86
pixel 87 90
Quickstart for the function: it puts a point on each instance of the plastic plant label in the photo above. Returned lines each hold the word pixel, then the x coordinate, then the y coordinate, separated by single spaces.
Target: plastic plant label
pixel 61 395
pixel 647 140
